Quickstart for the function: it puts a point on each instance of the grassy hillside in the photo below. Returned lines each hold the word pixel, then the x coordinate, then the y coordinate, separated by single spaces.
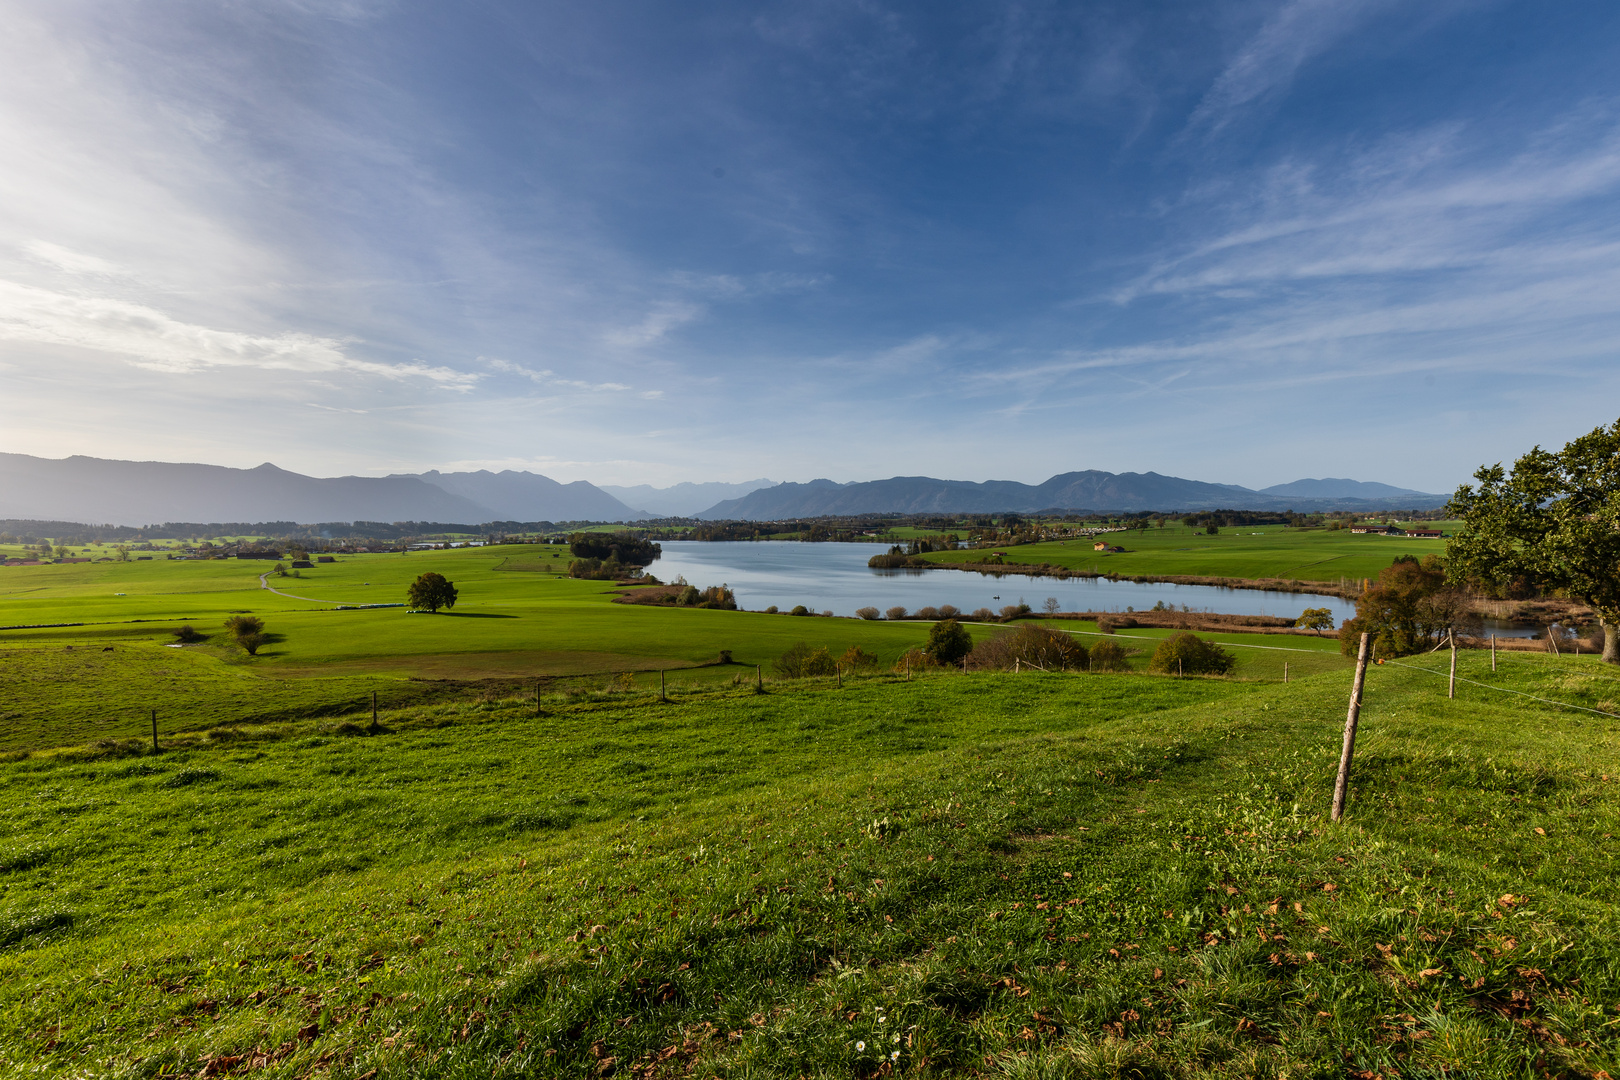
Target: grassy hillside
pixel 1254 551
pixel 1082 875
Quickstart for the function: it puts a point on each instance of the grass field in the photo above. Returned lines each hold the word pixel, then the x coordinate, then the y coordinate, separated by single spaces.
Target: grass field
pixel 1026 876
pixel 1257 551
pixel 517 619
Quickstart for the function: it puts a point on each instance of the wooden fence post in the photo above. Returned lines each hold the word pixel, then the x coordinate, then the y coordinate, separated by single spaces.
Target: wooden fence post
pixel 374 710
pixel 1285 672
pixel 1341 786
pixel 839 668
pixel 154 732
pixel 759 680
pixel 661 695
pixel 1493 652
pixel 1451 684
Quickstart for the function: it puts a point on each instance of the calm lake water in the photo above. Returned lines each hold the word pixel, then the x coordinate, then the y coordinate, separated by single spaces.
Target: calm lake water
pixel 835 577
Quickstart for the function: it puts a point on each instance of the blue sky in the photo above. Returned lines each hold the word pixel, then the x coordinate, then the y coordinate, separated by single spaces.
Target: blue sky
pixel 1242 242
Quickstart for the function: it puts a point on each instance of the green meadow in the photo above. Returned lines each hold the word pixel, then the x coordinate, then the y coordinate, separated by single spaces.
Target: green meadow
pixel 997 875
pixel 1250 551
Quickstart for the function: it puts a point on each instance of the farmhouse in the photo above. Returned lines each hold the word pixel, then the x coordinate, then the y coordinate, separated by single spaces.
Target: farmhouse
pixel 1382 530
pixel 1427 534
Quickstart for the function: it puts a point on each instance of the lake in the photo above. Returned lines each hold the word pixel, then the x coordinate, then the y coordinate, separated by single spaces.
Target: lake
pixel 835 577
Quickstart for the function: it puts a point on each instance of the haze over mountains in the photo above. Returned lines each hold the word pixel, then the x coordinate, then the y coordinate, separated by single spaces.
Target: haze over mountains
pixel 682 500
pixel 1102 492
pixel 104 491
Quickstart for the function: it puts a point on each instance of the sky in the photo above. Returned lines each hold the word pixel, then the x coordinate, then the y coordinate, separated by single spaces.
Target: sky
pixel 1240 241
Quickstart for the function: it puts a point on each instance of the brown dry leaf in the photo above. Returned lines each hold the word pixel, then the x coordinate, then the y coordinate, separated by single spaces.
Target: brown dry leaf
pixel 1428 973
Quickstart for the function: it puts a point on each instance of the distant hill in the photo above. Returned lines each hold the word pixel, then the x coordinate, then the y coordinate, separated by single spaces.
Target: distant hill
pixel 527 496
pixel 103 491
pixel 1093 490
pixel 681 500
pixel 1330 488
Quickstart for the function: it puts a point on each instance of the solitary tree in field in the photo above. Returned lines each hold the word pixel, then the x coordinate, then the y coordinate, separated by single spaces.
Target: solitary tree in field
pixel 248 630
pixel 1315 618
pixel 1051 605
pixel 1552 523
pixel 430 592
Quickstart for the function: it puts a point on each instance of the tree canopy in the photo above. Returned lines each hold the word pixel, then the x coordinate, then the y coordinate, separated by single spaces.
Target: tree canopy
pixel 1551 524
pixel 430 592
pixel 622 548
pixel 948 642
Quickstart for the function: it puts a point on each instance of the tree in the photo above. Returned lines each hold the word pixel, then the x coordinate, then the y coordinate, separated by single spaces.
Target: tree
pixel 430 592
pixel 895 614
pixel 948 642
pixel 248 630
pixel 1189 654
pixel 1396 610
pixel 1051 605
pixel 1553 523
pixel 1108 656
pixel 868 613
pixel 1315 618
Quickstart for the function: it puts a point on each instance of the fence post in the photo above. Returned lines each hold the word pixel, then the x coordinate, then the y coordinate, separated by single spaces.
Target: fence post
pixel 537 684
pixel 1493 652
pixel 839 668
pixel 661 695
pixel 154 732
pixel 374 710
pixel 1341 786
pixel 759 680
pixel 1451 684
pixel 1285 672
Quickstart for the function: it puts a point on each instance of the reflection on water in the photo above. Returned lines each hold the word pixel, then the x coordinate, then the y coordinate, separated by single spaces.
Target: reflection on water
pixel 835 577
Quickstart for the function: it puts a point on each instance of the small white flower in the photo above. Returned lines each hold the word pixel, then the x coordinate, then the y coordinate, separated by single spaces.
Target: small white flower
pixel 895 1056
pixel 860 1047
pixel 897 1036
pixel 883 1019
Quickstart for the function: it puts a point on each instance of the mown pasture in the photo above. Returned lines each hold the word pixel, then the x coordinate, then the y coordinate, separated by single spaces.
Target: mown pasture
pixel 1249 551
pixel 1031 875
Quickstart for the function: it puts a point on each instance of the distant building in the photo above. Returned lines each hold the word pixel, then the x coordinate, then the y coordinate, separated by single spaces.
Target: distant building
pixel 1099 546
pixel 324 558
pixel 1427 534
pixel 302 564
pixel 258 554
pixel 1381 530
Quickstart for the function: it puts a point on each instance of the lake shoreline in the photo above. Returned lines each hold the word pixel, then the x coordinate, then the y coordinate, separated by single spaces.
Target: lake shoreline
pixel 1282 585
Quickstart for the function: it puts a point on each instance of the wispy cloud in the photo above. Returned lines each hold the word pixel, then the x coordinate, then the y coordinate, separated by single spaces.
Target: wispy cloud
pixel 1296 33
pixel 546 377
pixel 148 338
pixel 665 316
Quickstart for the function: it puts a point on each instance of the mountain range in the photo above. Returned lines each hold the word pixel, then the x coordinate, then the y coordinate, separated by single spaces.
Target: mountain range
pixel 1093 490
pixel 682 500
pixel 104 491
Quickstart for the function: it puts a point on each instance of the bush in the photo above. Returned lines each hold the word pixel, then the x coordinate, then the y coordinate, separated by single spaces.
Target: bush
pixel 868 613
pixel 1013 611
pixel 801 661
pixel 251 642
pixel 1189 654
pixel 689 596
pixel 948 642
pixel 913 659
pixel 1105 625
pixel 1108 656
pixel 771 610
pixel 983 614
pixel 820 664
pixel 188 633
pixel 858 659
pixel 1030 646
pixel 928 613
pixel 946 611
pixel 799 609
pixel 790 665
pixel 895 613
